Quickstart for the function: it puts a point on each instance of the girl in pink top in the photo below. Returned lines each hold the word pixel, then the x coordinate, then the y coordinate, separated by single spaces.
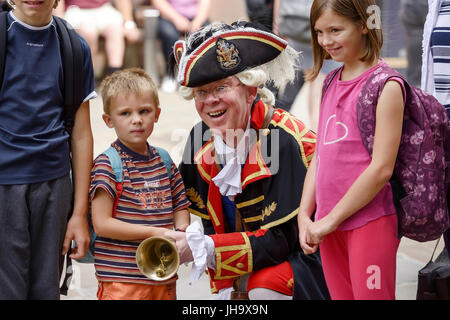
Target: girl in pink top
pixel 355 222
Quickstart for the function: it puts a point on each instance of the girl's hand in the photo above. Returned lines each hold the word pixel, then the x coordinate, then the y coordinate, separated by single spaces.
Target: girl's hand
pixel 314 234
pixel 319 229
pixel 303 223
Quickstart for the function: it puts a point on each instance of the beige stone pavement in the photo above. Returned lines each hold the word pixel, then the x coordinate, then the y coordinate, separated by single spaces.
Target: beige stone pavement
pixel 177 118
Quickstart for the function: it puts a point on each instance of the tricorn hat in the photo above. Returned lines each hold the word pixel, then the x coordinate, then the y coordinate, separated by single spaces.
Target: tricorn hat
pixel 218 51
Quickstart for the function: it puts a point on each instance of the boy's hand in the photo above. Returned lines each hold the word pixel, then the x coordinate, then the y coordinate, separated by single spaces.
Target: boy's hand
pixel 182 228
pixel 77 230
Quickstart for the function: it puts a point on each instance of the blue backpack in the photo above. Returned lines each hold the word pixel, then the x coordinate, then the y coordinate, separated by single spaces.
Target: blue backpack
pixel 116 164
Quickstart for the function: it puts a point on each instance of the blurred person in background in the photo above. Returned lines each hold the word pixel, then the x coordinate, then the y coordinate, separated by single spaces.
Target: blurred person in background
pixel 264 13
pixel 95 18
pixel 177 18
pixel 412 15
pixel 291 21
pixel 260 11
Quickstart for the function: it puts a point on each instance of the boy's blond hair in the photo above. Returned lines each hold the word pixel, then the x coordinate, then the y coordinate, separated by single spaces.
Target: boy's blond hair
pixel 126 82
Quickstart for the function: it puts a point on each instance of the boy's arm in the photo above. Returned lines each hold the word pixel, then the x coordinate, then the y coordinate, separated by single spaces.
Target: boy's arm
pixel 81 148
pixel 181 219
pixel 202 15
pixel 108 227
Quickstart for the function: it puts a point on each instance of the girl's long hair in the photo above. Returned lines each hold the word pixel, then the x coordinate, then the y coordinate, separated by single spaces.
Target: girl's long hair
pixel 360 12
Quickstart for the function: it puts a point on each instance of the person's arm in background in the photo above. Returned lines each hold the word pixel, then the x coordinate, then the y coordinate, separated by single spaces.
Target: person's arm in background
pixel 276 16
pixel 202 15
pixel 130 29
pixel 169 13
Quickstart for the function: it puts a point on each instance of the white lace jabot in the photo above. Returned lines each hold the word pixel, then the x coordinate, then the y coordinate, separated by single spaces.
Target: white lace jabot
pixel 229 178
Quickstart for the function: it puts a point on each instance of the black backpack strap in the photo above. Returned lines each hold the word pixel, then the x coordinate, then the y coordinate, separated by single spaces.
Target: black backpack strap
pixel 3 37
pixel 4 6
pixel 72 58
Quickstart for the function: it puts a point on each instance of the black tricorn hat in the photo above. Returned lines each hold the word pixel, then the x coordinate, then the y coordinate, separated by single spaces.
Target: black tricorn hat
pixel 221 50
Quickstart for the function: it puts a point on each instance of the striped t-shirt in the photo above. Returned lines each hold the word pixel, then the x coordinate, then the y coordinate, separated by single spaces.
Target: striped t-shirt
pixel 149 197
pixel 440 50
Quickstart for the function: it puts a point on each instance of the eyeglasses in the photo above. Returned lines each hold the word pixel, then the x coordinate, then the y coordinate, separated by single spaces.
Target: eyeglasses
pixel 218 92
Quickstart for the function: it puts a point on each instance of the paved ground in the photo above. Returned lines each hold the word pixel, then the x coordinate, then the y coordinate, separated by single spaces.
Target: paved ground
pixel 177 117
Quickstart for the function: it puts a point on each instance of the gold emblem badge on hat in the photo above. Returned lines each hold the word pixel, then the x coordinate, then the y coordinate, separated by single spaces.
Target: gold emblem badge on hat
pixel 227 54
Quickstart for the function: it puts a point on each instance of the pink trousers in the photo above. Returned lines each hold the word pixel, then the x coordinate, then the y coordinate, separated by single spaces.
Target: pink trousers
pixel 360 264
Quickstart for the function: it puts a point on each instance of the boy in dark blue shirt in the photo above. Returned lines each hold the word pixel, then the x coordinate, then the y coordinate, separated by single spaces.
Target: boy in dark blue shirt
pixel 38 220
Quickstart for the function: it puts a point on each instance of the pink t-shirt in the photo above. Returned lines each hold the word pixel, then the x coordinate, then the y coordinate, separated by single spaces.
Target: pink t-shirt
pixel 187 8
pixel 340 153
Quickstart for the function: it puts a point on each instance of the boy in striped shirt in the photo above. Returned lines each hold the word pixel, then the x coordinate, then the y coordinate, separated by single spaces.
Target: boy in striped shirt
pixel 152 200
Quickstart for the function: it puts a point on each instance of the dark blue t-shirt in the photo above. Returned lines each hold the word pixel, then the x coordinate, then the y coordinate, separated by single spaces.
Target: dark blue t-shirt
pixel 34 145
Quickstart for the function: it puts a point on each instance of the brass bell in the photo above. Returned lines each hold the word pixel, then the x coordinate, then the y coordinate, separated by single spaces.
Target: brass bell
pixel 157 258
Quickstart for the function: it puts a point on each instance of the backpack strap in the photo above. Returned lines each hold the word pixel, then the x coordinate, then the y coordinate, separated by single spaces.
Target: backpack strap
pixel 3 36
pixel 4 6
pixel 166 159
pixel 368 100
pixel 72 58
pixel 328 79
pixel 116 164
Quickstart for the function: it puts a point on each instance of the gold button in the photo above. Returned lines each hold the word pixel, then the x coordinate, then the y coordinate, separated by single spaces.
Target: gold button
pixel 240 265
pixel 266 132
pixel 290 283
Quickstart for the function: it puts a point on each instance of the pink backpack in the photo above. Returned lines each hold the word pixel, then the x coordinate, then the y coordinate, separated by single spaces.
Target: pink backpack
pixel 421 176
